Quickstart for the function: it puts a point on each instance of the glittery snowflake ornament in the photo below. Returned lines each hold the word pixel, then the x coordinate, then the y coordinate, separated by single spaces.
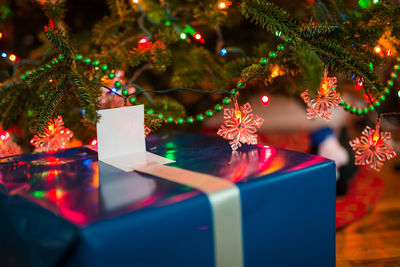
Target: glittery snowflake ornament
pixel 372 148
pixel 55 136
pixel 326 100
pixel 147 131
pixel 7 146
pixel 240 125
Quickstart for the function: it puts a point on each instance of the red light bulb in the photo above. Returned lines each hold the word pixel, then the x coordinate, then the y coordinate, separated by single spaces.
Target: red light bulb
pixel 265 100
pixel 143 40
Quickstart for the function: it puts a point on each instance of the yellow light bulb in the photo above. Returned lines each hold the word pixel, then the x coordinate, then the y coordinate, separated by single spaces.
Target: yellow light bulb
pixel 222 5
pixel 238 114
pixel 377 49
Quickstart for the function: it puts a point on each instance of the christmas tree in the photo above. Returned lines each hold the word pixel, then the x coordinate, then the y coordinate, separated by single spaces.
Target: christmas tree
pixel 186 60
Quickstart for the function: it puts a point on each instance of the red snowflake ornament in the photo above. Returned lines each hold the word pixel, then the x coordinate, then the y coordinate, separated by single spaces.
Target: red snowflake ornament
pixel 240 126
pixel 372 148
pixel 147 131
pixel 7 146
pixel 55 136
pixel 326 100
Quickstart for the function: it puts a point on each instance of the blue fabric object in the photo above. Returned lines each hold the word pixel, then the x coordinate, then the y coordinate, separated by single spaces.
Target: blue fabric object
pixel 54 213
pixel 319 136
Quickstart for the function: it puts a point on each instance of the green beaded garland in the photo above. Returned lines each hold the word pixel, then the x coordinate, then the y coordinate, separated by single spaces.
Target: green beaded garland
pixel 179 120
pixel 359 111
pixel 170 120
pixel 149 111
pixel 226 100
pixel 272 54
pixel 125 92
pixel 390 83
pixel 104 67
pixel 117 84
pixel 281 47
pixel 190 120
pixel 218 107
pixel 288 40
pixel 160 116
pixel 111 75
pixel 366 110
pixel 377 103
pixel 132 99
pixel 347 107
pixel 394 75
pixel 263 61
pixel 78 57
pixel 387 90
pixel 353 110
pixel 200 117
pixel 60 57
pixel 86 60
pixel 383 98
pixel 371 108
pixel 239 85
pixel 209 113
pixel 96 63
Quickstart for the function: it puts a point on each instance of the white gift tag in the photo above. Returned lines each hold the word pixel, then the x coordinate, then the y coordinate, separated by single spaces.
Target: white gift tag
pixel 121 141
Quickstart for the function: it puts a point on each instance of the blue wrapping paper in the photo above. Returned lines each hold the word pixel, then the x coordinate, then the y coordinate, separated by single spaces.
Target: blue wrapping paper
pixel 54 212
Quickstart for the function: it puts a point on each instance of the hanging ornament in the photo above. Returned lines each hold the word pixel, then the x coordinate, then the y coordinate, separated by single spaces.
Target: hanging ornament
pixel 7 146
pixel 372 147
pixel 327 99
pixel 359 83
pixel 147 131
pixel 55 136
pixel 240 125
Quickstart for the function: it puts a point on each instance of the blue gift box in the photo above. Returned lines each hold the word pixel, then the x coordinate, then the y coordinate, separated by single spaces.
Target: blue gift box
pixel 54 211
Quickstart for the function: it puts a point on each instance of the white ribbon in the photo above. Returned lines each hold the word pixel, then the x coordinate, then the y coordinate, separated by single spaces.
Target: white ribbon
pixel 224 197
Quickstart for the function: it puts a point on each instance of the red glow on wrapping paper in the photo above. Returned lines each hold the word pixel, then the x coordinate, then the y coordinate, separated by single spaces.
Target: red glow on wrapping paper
pixel 265 100
pixel 94 142
pixel 50 175
pixel 54 195
pixel 77 217
pixel 53 161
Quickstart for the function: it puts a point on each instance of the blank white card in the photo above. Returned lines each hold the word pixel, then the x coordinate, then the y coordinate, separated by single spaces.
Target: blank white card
pixel 121 140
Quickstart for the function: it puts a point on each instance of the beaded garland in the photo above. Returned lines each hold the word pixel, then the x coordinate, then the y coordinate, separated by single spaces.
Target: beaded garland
pixel 390 83
pixel 132 99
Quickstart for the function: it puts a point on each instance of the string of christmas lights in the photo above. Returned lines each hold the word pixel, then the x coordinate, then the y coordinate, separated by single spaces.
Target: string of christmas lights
pixel 375 102
pixel 121 90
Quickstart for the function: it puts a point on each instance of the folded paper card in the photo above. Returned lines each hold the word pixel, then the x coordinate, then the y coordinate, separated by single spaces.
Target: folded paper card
pixel 121 140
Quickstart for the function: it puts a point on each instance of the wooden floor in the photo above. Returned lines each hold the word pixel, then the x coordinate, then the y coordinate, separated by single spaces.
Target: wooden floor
pixel 374 240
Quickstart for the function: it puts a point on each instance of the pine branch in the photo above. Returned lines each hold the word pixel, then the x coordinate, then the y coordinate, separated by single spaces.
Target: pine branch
pixel 55 11
pixel 271 17
pixel 84 96
pixel 49 107
pixel 60 42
